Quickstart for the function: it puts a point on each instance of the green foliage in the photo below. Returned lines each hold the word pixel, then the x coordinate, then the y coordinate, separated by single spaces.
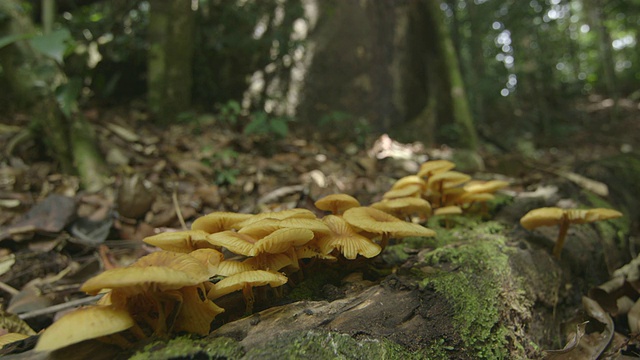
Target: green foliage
pixel 341 126
pixel 229 112
pixel 262 123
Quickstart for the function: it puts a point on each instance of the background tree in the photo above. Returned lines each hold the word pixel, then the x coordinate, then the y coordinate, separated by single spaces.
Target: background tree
pixel 171 35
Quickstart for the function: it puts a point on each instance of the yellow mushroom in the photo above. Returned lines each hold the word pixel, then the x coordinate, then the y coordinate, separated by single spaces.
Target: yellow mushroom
pixel 379 222
pixel 83 324
pixel 336 203
pixel 432 167
pixel 218 221
pixel 245 281
pixel 549 216
pixel 180 241
pixel 346 240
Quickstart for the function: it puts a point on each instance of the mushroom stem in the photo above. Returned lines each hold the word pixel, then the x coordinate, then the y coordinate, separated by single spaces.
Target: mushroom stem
pixel 249 299
pixel 557 248
pixel 384 241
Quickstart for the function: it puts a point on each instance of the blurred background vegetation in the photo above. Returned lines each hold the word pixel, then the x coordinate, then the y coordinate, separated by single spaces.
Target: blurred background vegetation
pixel 456 72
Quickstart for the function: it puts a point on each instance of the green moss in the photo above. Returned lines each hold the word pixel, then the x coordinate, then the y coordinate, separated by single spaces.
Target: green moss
pixel 186 347
pixel 474 288
pixel 328 345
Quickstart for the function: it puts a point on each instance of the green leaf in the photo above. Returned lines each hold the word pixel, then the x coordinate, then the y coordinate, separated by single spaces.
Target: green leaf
pixel 10 39
pixel 279 127
pixel 67 95
pixel 52 45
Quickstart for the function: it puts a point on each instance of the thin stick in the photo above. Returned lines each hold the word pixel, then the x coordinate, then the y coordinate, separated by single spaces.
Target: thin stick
pixel 59 307
pixel 8 288
pixel 174 197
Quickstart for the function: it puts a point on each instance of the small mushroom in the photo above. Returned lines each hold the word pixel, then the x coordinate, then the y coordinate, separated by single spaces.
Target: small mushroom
pixel 218 221
pixel 379 222
pixel 245 281
pixel 438 183
pixel 409 180
pixel 83 324
pixel 278 215
pixel 490 186
pixel 336 203
pixel 346 240
pixel 411 190
pixel 432 167
pixel 549 216
pixel 404 207
pixel 446 212
pixel 180 241
pixel 149 288
pixel 198 311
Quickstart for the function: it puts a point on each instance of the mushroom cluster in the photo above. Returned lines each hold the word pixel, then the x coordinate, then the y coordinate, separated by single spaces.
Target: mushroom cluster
pixel 436 190
pixel 174 289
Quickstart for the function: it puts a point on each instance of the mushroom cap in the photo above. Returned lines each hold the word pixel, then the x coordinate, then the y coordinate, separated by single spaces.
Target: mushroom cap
pixel 448 210
pixel 269 262
pixel 231 267
pixel 209 257
pixel 336 203
pixel 157 271
pixel 83 324
pixel 278 215
pixel 546 216
pixel 344 238
pixel 411 190
pixel 583 216
pixel 237 243
pixel 197 312
pixel 316 225
pixel 434 166
pixel 179 241
pixel 260 228
pixel 485 186
pixel 379 222
pixel 467 197
pixel 281 240
pixel 404 206
pixel 409 180
pixel 250 278
pixel 549 216
pixel 218 221
pixel 448 179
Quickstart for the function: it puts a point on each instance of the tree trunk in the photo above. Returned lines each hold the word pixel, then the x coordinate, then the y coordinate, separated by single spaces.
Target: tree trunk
pixel 605 52
pixel 450 66
pixel 171 31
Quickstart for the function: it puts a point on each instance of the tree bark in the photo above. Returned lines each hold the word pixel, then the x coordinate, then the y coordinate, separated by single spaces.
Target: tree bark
pixel 171 31
pixel 460 112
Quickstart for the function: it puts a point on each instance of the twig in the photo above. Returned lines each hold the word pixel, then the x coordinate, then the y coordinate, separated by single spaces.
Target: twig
pixel 59 307
pixel 9 289
pixel 174 197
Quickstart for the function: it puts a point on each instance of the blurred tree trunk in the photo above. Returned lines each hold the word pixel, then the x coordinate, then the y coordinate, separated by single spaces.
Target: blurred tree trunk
pixel 171 34
pixel 450 68
pixel 477 63
pixel 605 52
pixel 33 79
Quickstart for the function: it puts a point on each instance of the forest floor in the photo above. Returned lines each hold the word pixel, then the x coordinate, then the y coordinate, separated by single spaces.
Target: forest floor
pixel 165 178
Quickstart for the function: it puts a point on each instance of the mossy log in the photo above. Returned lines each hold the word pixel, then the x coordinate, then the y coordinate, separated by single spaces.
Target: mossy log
pixel 479 290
